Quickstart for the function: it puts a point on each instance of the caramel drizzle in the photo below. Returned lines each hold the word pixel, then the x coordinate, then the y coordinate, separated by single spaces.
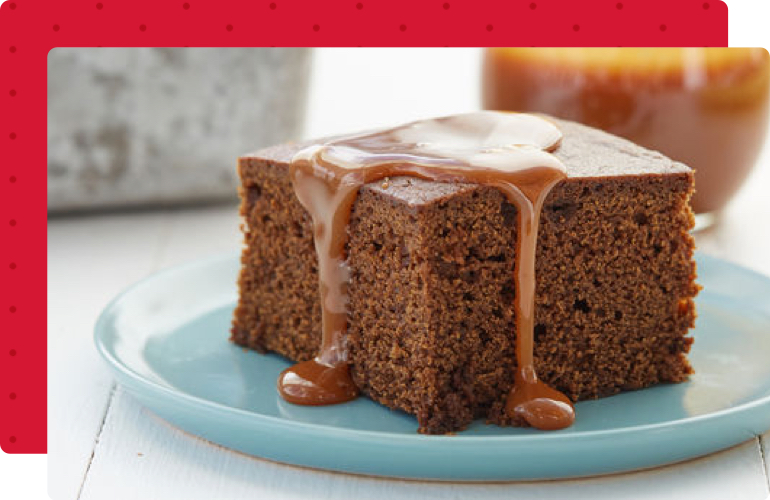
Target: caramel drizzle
pixel 508 151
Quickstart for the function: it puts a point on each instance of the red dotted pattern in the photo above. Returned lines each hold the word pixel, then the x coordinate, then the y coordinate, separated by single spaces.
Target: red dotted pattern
pixel 552 22
pixel 30 28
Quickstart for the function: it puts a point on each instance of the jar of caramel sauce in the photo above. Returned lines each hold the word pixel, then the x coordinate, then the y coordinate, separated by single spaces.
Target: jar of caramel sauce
pixel 706 107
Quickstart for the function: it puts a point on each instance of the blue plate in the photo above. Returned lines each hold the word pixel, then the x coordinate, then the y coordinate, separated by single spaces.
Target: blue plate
pixel 166 340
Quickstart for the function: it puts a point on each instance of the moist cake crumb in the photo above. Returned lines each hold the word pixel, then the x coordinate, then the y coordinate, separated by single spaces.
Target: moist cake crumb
pixel 431 297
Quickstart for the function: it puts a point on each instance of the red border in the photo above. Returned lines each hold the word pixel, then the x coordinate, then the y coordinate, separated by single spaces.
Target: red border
pixel 30 28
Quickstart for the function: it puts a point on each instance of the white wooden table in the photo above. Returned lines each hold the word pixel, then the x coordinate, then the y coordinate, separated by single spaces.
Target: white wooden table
pixel 103 444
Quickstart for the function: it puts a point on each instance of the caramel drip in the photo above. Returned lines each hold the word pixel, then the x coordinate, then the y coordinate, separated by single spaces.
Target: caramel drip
pixel 508 151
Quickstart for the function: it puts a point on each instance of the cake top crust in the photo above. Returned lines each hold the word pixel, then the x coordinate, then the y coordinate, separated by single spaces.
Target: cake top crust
pixel 586 152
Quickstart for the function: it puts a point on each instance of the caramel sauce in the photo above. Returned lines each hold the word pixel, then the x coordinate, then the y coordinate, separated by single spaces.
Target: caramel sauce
pixel 705 107
pixel 508 151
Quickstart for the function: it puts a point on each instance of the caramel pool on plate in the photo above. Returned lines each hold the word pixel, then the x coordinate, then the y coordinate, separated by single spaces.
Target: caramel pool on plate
pixel 706 107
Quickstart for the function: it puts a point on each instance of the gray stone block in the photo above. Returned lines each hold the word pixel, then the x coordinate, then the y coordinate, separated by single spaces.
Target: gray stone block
pixel 137 126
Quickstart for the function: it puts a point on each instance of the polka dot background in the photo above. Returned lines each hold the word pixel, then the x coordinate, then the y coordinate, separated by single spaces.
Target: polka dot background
pixel 30 28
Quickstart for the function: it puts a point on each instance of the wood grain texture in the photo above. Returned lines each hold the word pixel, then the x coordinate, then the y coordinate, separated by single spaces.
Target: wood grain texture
pixel 90 260
pixel 141 456
pixel 765 449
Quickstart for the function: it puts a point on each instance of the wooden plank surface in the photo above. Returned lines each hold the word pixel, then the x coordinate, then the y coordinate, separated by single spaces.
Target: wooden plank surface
pixel 765 449
pixel 141 456
pixel 137 455
pixel 90 260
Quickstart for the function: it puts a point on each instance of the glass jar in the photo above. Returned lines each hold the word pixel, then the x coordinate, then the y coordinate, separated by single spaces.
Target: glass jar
pixel 706 107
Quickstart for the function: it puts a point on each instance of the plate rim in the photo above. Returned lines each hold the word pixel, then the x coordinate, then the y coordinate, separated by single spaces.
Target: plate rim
pixel 102 331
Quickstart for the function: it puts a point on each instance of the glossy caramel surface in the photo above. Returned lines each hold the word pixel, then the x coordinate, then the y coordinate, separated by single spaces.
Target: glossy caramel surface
pixel 508 151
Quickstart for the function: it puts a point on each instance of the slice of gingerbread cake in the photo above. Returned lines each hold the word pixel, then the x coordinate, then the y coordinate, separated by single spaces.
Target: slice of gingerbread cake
pixel 489 265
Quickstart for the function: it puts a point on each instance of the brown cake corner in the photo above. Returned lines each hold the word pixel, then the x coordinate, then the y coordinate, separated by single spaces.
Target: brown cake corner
pixel 431 297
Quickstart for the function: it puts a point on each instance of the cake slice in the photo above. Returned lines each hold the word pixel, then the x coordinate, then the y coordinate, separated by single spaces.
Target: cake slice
pixel 430 311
